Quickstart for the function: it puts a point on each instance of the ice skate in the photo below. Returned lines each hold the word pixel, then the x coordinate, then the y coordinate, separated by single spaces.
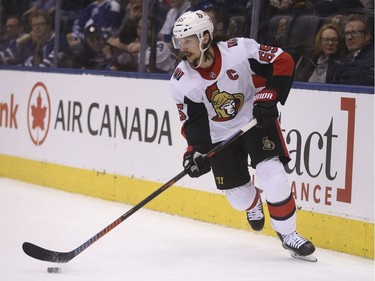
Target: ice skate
pixel 298 247
pixel 255 216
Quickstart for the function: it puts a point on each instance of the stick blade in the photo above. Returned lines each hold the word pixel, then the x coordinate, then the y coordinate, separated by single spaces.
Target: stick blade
pixel 42 254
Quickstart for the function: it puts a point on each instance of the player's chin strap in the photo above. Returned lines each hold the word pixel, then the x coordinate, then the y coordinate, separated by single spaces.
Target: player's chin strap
pixel 200 59
pixel 202 52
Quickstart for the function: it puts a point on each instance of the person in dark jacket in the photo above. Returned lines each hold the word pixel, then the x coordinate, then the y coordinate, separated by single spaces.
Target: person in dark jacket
pixel 358 67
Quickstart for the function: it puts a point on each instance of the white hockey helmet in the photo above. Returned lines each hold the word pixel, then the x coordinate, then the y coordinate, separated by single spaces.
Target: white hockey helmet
pixel 192 23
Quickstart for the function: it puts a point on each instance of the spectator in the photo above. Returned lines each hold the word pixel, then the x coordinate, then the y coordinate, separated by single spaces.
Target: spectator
pixel 329 49
pixel 39 51
pixel 220 20
pixel 159 58
pixel 133 11
pixel 178 7
pixel 128 29
pixel 8 48
pixel 69 13
pixel 105 14
pixel 124 58
pixel 94 53
pixel 358 67
pixel 48 5
pixel 164 61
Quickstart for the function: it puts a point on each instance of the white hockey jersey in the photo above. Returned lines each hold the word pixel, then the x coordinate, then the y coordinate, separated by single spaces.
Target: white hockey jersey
pixel 242 67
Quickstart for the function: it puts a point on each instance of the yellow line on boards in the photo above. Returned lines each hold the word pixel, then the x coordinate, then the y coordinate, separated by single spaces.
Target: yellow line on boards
pixel 329 232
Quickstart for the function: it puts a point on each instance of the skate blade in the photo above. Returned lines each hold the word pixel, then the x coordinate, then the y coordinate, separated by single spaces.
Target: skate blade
pixel 309 258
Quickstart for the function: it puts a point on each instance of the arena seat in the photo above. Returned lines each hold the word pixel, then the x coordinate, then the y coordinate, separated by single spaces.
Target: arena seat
pixel 279 29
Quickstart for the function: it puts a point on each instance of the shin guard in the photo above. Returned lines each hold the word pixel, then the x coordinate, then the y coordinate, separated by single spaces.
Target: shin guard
pixel 283 215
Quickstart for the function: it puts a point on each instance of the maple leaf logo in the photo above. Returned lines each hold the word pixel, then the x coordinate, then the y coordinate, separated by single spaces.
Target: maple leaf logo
pixel 39 113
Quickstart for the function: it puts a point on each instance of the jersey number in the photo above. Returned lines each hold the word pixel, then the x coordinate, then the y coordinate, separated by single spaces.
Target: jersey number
pixel 219 180
pixel 266 53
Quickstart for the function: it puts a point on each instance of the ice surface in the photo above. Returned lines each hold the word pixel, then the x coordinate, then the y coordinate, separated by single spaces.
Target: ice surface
pixel 147 246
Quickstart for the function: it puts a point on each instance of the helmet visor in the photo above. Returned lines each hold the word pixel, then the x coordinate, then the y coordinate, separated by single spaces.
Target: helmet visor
pixel 185 42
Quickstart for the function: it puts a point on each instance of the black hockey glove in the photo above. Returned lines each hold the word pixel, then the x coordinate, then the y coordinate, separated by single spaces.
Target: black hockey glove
pixel 195 163
pixel 265 108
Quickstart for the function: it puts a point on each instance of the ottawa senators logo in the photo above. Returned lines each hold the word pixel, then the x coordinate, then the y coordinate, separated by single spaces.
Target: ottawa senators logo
pixel 225 105
pixel 267 144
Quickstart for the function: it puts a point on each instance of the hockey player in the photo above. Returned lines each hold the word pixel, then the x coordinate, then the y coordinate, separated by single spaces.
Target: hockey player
pixel 219 87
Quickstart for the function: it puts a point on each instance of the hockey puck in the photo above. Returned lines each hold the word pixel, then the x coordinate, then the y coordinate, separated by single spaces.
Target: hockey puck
pixel 53 269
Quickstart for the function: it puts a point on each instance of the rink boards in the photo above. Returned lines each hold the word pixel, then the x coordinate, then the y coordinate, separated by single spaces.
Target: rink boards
pixel 118 138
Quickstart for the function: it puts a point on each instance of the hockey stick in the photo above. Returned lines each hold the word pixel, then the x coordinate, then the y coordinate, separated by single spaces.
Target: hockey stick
pixel 40 253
